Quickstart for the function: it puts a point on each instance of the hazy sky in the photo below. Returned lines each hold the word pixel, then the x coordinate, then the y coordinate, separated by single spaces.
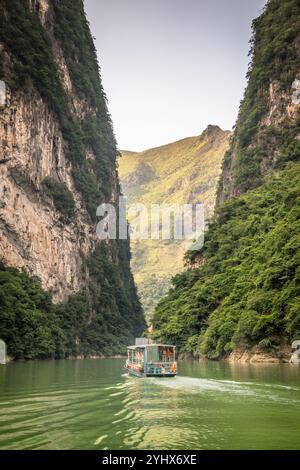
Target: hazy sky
pixel 171 67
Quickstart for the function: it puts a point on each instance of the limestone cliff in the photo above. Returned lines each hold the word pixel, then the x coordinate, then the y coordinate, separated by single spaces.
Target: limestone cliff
pixel 33 234
pixel 57 148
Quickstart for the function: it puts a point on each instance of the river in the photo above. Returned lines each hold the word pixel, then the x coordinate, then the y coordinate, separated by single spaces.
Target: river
pixel 92 404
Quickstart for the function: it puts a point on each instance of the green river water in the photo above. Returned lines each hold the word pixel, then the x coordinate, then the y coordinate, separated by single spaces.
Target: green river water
pixel 92 404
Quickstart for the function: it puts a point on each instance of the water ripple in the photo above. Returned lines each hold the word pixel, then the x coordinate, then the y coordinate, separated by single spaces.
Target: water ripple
pixel 92 404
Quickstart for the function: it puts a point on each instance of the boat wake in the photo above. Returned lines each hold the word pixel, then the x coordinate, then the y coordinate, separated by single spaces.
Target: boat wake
pixel 201 385
pixel 198 385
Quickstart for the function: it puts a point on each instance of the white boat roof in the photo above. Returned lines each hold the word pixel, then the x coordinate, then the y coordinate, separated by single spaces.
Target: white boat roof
pixel 151 346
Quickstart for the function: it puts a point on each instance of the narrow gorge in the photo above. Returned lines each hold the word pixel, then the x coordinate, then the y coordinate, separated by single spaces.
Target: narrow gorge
pixel 182 172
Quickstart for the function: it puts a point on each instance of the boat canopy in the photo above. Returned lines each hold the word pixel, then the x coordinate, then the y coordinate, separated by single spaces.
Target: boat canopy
pixel 152 353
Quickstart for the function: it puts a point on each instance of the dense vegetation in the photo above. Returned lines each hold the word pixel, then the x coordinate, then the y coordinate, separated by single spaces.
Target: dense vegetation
pixel 94 178
pixel 106 314
pixel 247 291
pixel 63 198
pixel 28 323
pixel 102 320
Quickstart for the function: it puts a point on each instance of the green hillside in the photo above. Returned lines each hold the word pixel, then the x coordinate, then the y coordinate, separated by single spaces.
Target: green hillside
pixel 248 290
pixel 182 172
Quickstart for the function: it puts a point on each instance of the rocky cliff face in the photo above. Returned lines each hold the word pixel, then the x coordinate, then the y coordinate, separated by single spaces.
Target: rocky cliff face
pixel 57 152
pixel 268 117
pixel 33 234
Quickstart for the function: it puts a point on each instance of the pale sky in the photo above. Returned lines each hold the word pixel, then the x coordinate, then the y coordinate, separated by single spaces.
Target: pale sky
pixel 171 67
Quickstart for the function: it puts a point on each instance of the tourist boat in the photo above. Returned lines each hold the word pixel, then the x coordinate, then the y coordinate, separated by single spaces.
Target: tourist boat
pixel 147 359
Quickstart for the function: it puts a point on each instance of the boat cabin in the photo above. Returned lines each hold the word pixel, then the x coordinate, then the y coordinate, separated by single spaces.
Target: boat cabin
pixel 146 359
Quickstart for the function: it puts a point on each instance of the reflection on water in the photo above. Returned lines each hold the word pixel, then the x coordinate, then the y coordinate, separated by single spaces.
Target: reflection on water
pixel 94 405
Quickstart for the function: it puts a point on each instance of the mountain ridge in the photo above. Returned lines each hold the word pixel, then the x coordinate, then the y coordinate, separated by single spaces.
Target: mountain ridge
pixel 210 128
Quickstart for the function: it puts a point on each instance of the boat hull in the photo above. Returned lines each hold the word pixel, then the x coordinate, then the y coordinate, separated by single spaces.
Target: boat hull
pixel 135 373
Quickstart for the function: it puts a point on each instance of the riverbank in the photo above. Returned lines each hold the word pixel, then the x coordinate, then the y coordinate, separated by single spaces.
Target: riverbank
pixel 256 356
pixel 252 356
pixel 10 359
